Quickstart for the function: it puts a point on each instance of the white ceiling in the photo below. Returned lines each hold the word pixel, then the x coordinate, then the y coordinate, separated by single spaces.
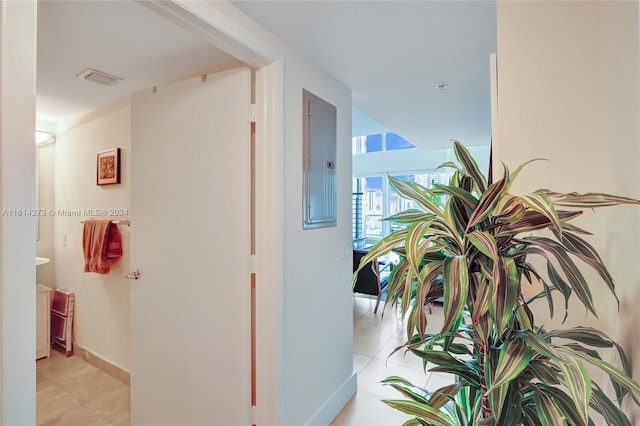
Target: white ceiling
pixel 121 38
pixel 391 54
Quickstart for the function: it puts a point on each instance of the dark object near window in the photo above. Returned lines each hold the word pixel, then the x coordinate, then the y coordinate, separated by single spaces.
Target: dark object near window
pixel 368 281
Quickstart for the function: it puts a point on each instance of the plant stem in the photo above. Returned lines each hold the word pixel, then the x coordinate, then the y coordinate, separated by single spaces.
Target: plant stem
pixel 484 355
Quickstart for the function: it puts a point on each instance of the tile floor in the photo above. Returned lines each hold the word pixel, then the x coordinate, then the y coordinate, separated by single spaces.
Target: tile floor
pixel 69 391
pixel 72 392
pixel 374 338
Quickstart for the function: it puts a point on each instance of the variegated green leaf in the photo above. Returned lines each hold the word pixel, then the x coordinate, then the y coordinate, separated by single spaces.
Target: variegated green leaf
pixel 589 200
pixel 596 338
pixel 590 256
pixel 547 410
pixel 564 403
pixel 516 172
pixel 448 164
pixel 444 395
pixel 410 216
pixel 483 327
pixel 487 202
pixel 470 166
pixel 484 242
pixel 412 245
pixel 559 284
pixel 421 411
pixel 413 422
pixel 497 396
pixel 513 214
pixel 578 381
pixel 541 203
pixel 533 341
pixel 544 372
pixel 383 247
pixel 456 192
pixel 568 266
pixel 456 289
pixel 603 405
pixel 417 193
pixel 532 221
pixel 617 375
pixel 446 363
pixel 513 359
pixel 407 389
pixel 525 316
pixel 587 335
pixel 481 300
pixel 505 292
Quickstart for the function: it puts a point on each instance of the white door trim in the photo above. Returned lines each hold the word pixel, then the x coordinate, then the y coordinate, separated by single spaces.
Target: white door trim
pixel 224 26
pixel 17 226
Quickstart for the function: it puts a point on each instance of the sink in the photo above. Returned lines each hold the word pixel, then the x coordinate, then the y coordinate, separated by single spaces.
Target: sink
pixel 42 260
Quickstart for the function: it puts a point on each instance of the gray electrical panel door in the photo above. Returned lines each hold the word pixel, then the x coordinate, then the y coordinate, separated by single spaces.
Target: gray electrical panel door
pixel 319 162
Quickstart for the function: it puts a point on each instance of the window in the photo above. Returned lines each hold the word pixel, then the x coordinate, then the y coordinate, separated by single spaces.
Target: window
pixel 375 199
pixel 379 142
pixel 373 143
pixel 395 142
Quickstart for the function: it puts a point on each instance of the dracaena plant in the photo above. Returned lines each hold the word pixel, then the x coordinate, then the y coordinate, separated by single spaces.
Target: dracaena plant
pixel 476 253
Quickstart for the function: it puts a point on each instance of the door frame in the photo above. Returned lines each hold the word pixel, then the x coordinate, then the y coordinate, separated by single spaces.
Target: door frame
pixel 228 29
pixel 17 191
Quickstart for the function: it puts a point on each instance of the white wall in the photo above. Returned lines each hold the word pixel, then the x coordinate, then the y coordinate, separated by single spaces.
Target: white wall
pixel 17 191
pixel 102 301
pixel 568 91
pixel 45 163
pixel 317 292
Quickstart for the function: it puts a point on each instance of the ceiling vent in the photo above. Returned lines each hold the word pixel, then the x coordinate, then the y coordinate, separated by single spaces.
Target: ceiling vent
pixel 99 77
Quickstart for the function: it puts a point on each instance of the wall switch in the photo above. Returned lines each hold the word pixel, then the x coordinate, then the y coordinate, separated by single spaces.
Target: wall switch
pixel 345 249
pixel 64 239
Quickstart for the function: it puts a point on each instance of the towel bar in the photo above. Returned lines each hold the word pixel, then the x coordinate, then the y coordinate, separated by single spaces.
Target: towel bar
pixel 117 222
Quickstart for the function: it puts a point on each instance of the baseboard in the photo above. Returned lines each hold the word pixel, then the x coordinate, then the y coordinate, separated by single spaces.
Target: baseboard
pixel 111 369
pixel 335 403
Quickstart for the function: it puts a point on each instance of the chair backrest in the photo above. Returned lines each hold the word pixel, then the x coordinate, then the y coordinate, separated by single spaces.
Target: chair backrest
pixel 368 281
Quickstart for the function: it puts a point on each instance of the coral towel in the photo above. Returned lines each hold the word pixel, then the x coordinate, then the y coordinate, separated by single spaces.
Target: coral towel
pixel 102 245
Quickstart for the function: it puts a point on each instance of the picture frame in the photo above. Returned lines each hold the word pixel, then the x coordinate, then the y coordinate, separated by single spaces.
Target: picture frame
pixel 108 167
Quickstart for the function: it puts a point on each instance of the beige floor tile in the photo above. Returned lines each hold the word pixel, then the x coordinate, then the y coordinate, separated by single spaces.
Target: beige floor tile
pixel 53 402
pixel 400 357
pixel 363 305
pixel 59 367
pixel 42 382
pixel 366 409
pixel 368 342
pixel 377 370
pixel 90 385
pixel 387 324
pixel 438 380
pixel 114 405
pixel 80 416
pixel 359 361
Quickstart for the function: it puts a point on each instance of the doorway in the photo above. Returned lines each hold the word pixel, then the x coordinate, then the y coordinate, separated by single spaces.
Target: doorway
pixel 177 314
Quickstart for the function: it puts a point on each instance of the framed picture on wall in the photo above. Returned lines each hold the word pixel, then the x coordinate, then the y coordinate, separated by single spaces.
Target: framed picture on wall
pixel 108 168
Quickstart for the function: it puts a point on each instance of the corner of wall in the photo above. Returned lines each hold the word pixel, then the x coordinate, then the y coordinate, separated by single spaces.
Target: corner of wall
pixel 334 404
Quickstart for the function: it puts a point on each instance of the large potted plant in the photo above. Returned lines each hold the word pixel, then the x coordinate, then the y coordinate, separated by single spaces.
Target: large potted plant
pixel 475 252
